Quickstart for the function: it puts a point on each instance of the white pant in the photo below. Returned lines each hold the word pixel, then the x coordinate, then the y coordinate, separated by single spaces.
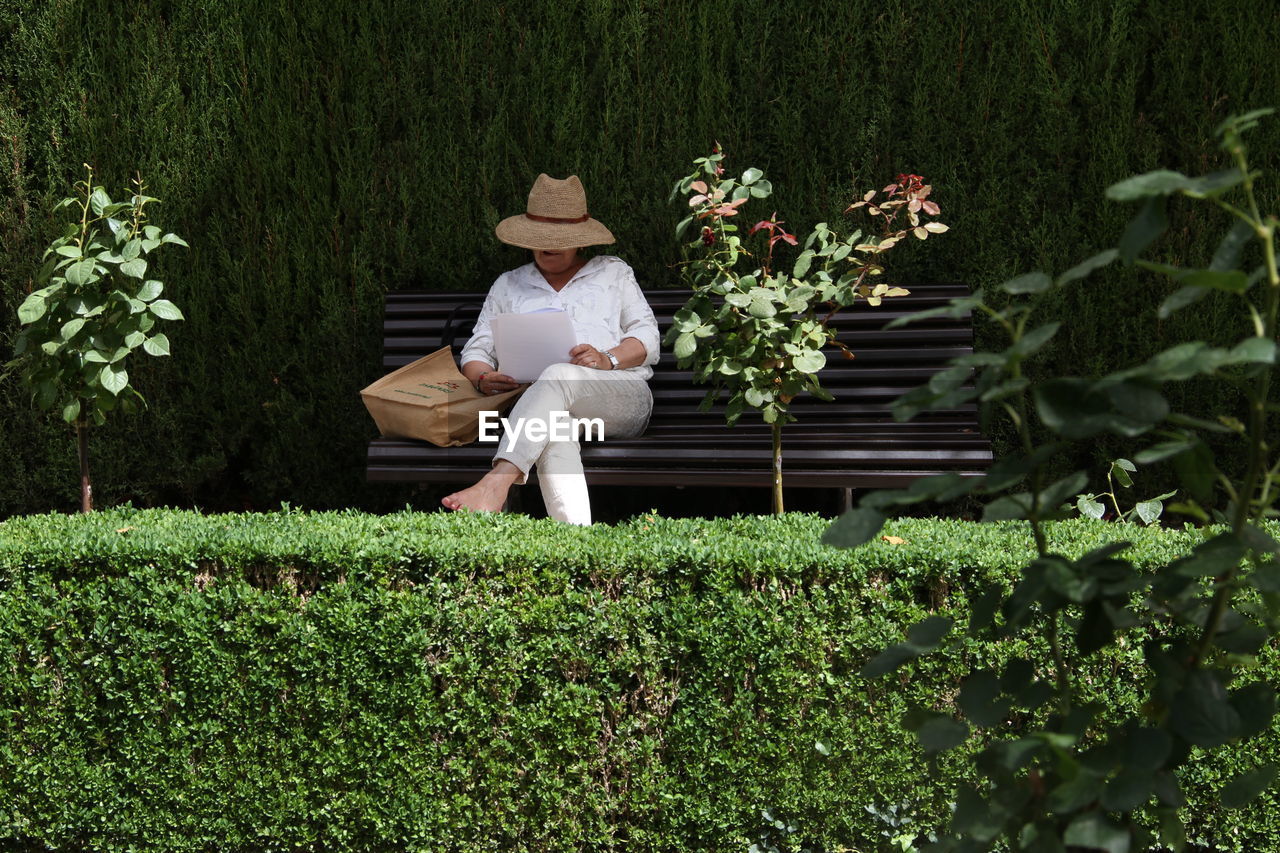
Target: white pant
pixel 620 399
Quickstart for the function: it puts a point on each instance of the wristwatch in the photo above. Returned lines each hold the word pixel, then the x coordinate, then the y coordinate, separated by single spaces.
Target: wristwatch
pixel 613 359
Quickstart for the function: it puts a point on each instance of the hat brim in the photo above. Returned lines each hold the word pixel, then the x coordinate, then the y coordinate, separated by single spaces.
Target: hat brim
pixel 520 230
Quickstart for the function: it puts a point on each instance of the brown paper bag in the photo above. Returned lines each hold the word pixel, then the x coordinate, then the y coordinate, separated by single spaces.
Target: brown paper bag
pixel 431 400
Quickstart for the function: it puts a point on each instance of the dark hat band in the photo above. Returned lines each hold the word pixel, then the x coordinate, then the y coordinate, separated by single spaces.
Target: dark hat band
pixel 557 220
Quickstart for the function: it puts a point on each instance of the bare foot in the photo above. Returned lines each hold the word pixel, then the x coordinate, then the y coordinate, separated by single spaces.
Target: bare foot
pixel 488 495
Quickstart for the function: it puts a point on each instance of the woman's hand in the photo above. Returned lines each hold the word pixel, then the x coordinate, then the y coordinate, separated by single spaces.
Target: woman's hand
pixel 588 356
pixel 496 383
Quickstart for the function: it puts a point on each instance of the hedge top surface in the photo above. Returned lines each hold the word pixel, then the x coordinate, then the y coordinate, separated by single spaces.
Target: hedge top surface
pixel 413 545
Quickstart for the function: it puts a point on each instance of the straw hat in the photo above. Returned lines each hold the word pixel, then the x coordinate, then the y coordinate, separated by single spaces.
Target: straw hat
pixel 555 218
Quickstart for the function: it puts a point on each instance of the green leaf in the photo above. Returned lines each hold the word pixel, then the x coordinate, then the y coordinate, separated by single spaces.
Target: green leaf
pixel 71 411
pixel 174 238
pixel 1086 267
pixel 854 528
pixel 1161 182
pixel 114 379
pixel 940 734
pixel 98 200
pixel 1034 340
pixel 1164 450
pixel 1210 558
pixel 1146 749
pixel 1032 282
pixel 81 273
pixel 157 345
pixel 1082 408
pixel 1172 834
pixel 889 660
pixel 1095 832
pixel 1064 579
pixel 1196 472
pixel 980 701
pixel 137 268
pixel 166 310
pixel 1259 540
pixel 802 264
pixel 1246 787
pixel 1129 790
pixel 974 819
pixel 1256 705
pixel 1008 508
pixel 1150 511
pixel 809 361
pixel 1214 183
pixel 762 303
pixel 69 251
pixel 70 328
pixel 686 344
pixel 32 308
pixel 1227 256
pixel 1005 390
pixel 751 176
pixel 1181 298
pixel 927 634
pixel 985 607
pixel 131 250
pixel 1143 229
pixel 1228 281
pixel 1201 713
pixel 1090 508
pixel 1253 351
pixel 1063 490
pixel 730 367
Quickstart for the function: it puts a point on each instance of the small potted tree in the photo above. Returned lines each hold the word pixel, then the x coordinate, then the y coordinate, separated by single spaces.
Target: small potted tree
pixel 94 307
pixel 754 328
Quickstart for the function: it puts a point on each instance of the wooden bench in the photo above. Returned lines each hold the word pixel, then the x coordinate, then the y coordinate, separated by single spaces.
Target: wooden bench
pixel 850 443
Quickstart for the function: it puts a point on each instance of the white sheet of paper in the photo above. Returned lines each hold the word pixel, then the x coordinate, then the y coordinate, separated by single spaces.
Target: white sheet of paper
pixel 528 344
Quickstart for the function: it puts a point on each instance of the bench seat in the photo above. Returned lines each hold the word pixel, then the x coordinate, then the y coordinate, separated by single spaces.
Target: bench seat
pixel 852 442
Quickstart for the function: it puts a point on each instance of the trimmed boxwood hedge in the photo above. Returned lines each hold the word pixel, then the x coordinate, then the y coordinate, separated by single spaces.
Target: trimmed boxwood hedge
pixel 345 681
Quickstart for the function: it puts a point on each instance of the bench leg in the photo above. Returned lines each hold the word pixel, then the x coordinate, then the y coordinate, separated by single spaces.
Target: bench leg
pixel 844 500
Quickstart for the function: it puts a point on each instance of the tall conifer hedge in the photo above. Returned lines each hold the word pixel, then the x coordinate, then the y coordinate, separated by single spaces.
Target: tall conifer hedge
pixel 318 153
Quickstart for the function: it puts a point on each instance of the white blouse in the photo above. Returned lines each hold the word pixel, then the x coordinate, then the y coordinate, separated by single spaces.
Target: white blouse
pixel 603 301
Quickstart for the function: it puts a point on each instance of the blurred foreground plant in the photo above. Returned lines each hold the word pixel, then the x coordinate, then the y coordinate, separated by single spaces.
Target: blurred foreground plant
pixel 1063 776
pixel 96 305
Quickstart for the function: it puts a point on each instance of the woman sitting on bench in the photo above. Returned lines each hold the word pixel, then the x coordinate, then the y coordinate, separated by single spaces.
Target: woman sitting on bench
pixel 605 376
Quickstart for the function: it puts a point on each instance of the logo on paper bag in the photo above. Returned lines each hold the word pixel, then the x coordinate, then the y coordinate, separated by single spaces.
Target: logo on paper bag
pixel 446 386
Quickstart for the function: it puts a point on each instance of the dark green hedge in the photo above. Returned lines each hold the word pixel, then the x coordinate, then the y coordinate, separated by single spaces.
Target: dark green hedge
pixel 434 682
pixel 318 153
